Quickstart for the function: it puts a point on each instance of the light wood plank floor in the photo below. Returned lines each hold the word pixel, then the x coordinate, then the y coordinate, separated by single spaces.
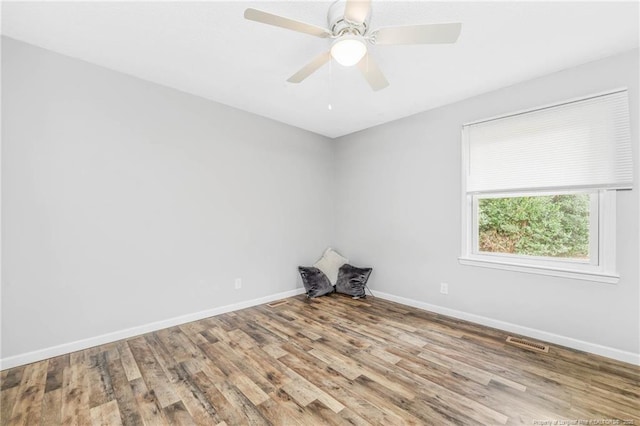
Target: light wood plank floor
pixel 331 360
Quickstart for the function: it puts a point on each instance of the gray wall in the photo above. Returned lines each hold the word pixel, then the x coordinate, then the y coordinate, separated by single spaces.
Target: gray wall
pixel 398 209
pixel 125 203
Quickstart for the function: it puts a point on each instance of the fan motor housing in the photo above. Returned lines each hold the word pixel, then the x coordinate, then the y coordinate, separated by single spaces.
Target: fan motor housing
pixel 339 25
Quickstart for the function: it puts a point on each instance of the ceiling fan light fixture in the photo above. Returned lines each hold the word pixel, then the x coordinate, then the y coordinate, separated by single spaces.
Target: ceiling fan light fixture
pixel 348 26
pixel 348 50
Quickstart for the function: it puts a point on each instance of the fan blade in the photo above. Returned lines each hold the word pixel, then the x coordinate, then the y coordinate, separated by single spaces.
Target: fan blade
pixel 310 68
pixel 356 11
pixel 290 24
pixel 418 34
pixel 372 73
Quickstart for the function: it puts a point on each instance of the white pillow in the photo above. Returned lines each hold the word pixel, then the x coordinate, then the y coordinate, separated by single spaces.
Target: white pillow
pixel 330 263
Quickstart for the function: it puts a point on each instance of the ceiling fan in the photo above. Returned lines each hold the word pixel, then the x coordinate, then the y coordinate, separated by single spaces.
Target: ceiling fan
pixel 349 28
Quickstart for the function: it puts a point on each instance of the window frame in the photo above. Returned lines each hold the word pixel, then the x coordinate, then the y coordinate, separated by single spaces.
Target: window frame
pixel 600 268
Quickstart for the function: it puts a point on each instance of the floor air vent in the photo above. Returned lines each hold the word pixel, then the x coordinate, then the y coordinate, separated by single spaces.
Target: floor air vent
pixel 534 346
pixel 278 303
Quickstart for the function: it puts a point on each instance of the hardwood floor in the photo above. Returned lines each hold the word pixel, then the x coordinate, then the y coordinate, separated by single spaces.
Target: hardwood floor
pixel 331 360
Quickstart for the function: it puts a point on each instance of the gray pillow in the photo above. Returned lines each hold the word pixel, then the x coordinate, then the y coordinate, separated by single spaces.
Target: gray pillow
pixel 352 280
pixel 315 281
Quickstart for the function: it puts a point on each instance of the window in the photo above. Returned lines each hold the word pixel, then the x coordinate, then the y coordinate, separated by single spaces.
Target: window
pixel 556 226
pixel 539 188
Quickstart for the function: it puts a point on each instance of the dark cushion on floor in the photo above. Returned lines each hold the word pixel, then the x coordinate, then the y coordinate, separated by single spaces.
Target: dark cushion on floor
pixel 351 280
pixel 315 281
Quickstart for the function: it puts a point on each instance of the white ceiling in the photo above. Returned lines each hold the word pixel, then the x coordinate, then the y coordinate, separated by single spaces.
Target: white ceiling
pixel 210 50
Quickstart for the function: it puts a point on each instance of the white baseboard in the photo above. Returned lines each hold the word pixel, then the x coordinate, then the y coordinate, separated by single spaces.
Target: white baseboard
pixel 617 354
pixel 78 345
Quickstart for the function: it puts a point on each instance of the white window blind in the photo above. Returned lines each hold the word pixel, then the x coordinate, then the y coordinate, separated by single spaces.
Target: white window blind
pixel 579 144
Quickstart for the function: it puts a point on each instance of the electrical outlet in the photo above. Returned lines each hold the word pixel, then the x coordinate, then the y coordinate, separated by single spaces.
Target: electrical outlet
pixel 238 283
pixel 444 288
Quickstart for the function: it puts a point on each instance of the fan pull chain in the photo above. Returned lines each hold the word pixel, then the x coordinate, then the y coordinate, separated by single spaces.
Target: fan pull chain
pixel 329 107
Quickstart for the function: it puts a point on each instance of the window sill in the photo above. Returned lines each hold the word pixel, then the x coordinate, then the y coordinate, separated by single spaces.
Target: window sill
pixel 541 270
